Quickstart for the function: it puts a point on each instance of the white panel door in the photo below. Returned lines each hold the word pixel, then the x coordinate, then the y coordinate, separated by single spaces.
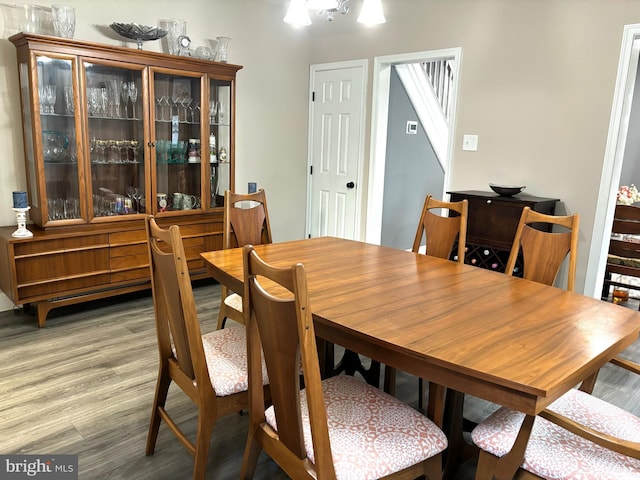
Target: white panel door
pixel 336 139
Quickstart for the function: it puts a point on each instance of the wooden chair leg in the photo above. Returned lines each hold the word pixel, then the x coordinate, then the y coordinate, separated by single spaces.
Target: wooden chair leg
pixel 250 457
pixel 202 443
pixel 486 466
pixel 162 389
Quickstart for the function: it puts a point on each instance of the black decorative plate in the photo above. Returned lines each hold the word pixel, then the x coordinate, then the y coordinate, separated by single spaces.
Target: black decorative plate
pixel 140 33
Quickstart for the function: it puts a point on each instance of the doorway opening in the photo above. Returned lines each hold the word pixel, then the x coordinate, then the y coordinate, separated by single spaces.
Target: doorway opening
pixel 613 160
pixel 382 78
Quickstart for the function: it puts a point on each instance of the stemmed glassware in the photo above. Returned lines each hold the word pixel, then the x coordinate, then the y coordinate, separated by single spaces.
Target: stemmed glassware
pixel 185 102
pixel 213 111
pixel 124 93
pixel 160 108
pixel 222 112
pixel 195 112
pixel 133 96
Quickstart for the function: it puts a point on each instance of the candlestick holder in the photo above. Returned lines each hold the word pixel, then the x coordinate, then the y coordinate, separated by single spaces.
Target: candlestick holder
pixel 21 218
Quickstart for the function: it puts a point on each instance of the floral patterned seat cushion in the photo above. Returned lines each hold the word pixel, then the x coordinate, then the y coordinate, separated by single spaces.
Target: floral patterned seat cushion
pixel 234 301
pixel 555 453
pixel 226 354
pixel 372 434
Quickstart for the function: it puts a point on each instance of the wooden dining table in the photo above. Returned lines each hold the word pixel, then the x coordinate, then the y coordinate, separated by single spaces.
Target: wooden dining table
pixel 510 341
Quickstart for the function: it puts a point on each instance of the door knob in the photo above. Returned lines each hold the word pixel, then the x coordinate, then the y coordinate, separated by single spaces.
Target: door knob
pixel 351 185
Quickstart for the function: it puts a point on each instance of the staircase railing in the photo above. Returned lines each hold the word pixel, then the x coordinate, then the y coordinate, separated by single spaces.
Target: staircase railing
pixel 440 75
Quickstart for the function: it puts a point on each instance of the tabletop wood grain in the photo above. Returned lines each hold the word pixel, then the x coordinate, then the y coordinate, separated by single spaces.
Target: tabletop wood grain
pixel 510 341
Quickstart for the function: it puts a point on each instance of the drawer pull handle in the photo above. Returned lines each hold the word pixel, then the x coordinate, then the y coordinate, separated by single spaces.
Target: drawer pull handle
pixel 488 201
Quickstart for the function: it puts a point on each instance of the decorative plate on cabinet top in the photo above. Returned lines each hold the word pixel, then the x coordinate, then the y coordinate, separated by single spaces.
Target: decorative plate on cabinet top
pixel 506 190
pixel 140 33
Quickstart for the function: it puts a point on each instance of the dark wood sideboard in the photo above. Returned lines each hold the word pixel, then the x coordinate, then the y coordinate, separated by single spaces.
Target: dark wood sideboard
pixel 492 224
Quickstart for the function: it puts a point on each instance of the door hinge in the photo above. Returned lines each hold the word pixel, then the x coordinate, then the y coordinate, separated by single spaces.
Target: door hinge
pixel 311 170
pixel 313 96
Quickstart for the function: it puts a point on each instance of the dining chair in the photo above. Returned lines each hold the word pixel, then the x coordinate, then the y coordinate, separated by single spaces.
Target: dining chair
pixel 579 436
pixel 440 233
pixel 336 428
pixel 543 252
pixel 623 257
pixel 211 369
pixel 246 221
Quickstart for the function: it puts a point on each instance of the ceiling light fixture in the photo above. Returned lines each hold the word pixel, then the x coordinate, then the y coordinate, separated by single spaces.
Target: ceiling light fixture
pixel 298 11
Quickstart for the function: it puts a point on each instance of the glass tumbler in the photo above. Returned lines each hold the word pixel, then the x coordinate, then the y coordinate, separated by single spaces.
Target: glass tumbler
pixel 64 20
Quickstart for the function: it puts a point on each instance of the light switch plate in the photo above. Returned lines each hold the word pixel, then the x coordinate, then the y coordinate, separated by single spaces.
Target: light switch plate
pixel 412 127
pixel 470 143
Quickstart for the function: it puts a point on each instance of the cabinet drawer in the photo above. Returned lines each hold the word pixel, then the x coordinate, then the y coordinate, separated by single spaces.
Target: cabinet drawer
pixel 128 237
pixel 56 246
pixel 67 264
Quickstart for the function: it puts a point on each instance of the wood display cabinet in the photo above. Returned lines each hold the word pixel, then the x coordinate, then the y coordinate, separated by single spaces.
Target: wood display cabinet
pixel 112 134
pixel 492 224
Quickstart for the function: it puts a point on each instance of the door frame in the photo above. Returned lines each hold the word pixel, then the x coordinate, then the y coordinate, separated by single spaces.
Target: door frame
pixel 613 159
pixel 364 65
pixel 379 123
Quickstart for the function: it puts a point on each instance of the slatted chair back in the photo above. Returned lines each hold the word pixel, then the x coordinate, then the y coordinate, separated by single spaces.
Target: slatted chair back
pixel 441 232
pixel 543 252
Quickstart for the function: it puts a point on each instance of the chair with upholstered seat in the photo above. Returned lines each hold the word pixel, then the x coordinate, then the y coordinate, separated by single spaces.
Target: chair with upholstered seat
pixel 544 252
pixel 335 428
pixel 579 436
pixel 246 222
pixel 440 234
pixel 211 369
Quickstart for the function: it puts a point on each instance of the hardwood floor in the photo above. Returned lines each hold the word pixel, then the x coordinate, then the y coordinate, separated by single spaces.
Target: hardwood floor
pixel 84 385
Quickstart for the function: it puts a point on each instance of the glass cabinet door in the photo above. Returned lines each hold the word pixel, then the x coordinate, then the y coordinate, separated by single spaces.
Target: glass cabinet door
pixel 115 138
pixel 58 142
pixel 178 143
pixel 219 139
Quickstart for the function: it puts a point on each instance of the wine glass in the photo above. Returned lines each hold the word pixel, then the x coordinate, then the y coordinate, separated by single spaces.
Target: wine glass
pixel 222 112
pixel 213 111
pixel 159 110
pixel 133 96
pixel 124 93
pixel 185 102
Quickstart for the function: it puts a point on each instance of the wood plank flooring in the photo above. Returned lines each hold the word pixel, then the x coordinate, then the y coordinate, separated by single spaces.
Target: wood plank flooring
pixel 84 385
